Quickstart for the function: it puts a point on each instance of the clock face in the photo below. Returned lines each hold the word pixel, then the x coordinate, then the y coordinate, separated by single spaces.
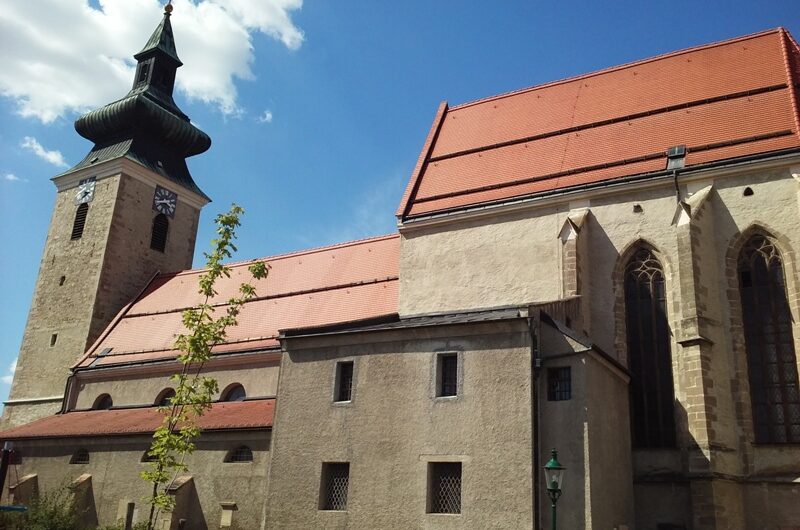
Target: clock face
pixel 165 201
pixel 85 191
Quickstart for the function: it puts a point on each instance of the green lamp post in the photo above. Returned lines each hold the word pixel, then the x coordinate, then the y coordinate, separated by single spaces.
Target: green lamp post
pixel 554 476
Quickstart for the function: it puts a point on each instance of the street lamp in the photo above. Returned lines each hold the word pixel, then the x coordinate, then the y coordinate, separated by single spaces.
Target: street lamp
pixel 554 476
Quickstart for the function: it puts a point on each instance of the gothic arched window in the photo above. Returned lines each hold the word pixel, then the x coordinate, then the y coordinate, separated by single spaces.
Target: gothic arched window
pixel 771 358
pixel 158 240
pixel 649 359
pixel 80 221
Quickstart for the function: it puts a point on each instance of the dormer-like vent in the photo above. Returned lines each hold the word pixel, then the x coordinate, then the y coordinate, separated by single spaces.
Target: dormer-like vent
pixel 676 157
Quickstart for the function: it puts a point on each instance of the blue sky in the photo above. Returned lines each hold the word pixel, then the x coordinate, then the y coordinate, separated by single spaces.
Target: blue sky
pixel 317 110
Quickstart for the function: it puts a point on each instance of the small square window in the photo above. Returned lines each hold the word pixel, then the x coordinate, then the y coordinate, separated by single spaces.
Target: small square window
pixel 334 484
pixel 444 487
pixel 559 384
pixel 343 390
pixel 447 375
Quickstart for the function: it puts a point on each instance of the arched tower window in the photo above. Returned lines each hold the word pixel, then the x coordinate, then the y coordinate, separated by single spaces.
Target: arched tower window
pixel 771 357
pixel 80 221
pixel 649 359
pixel 158 240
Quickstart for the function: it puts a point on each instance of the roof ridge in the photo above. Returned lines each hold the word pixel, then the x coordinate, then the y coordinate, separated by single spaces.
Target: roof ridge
pixel 618 67
pixel 291 254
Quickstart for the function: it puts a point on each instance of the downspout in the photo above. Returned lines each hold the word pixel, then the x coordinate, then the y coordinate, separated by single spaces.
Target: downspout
pixel 532 318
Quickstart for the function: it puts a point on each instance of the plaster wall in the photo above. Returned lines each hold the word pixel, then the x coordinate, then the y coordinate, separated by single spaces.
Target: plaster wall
pixel 125 389
pixel 115 463
pixel 394 426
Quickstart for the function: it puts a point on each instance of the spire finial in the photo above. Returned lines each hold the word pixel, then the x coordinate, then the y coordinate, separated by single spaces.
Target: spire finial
pixel 168 8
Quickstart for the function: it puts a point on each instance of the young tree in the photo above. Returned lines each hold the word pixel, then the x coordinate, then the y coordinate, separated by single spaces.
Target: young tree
pixel 206 327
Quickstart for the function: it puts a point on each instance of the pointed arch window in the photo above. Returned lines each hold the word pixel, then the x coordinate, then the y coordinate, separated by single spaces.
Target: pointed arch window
pixel 771 356
pixel 80 221
pixel 649 358
pixel 158 239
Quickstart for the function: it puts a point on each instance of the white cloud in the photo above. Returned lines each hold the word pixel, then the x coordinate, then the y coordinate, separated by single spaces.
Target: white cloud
pixel 266 117
pixel 67 56
pixel 9 377
pixel 53 157
pixel 10 177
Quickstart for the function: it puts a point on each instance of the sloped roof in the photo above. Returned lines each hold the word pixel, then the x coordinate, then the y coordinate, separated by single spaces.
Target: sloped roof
pixel 724 100
pixel 256 414
pixel 341 283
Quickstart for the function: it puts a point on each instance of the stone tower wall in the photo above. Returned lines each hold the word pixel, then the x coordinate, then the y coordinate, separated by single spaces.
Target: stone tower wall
pixel 102 271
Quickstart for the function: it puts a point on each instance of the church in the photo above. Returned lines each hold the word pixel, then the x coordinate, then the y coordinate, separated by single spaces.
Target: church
pixel 605 265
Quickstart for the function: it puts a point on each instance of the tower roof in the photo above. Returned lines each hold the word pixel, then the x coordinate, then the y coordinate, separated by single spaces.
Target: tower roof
pixel 161 40
pixel 146 125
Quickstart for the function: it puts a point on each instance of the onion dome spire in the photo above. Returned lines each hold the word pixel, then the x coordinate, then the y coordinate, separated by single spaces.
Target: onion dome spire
pixel 146 125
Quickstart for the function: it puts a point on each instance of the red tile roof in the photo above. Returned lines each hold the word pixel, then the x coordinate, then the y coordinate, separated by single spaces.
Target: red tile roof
pixel 340 283
pixel 256 414
pixel 722 101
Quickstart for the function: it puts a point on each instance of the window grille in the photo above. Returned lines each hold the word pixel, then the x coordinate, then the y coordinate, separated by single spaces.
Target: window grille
pixel 240 454
pixel 80 221
pixel 444 495
pixel 158 239
pixel 81 456
pixel 335 481
pixel 103 402
pixel 771 357
pixel 448 375
pixel 234 392
pixel 649 357
pixel 559 384
pixel 344 381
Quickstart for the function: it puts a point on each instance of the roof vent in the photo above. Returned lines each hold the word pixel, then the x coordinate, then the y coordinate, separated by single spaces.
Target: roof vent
pixel 676 157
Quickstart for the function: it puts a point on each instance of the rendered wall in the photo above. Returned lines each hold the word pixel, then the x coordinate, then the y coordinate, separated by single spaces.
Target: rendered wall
pixel 394 426
pixel 115 463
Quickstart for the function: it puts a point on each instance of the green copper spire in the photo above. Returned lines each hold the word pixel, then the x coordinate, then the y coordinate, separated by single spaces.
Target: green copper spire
pixel 161 40
pixel 146 125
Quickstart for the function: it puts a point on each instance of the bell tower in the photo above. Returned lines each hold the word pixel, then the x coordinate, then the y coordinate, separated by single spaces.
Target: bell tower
pixel 128 210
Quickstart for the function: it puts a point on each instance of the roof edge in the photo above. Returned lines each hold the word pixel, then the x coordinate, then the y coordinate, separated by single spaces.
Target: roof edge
pixel 424 155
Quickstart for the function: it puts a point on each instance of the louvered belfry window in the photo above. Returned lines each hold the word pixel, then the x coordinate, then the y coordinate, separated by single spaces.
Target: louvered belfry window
pixel 649 359
pixel 771 356
pixel 158 240
pixel 444 482
pixel 335 482
pixel 80 221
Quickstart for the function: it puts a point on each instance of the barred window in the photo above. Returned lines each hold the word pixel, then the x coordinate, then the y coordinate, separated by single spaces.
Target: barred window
pixel 334 485
pixel 447 375
pixel 649 358
pixel 444 487
pixel 344 381
pixel 240 454
pixel 559 384
pixel 771 357
pixel 80 221
pixel 81 456
pixel 158 239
